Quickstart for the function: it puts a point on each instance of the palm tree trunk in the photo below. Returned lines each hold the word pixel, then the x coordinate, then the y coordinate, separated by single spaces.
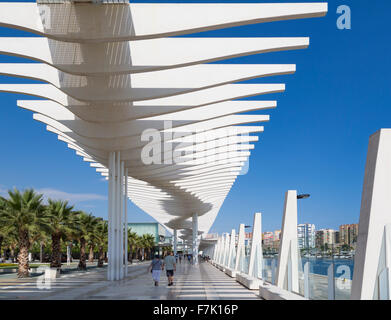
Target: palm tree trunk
pixel 1 242
pixel 70 249
pixel 82 262
pixel 101 257
pixel 41 252
pixel 91 254
pixel 23 256
pixel 131 254
pixel 56 251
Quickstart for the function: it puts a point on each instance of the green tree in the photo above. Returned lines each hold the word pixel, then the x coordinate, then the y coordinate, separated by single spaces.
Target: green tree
pixel 63 222
pixel 23 214
pixel 132 242
pixel 92 240
pixel 3 232
pixel 87 224
pixel 148 242
pixel 101 233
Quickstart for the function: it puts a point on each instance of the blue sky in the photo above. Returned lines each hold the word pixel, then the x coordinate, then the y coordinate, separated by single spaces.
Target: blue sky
pixel 315 142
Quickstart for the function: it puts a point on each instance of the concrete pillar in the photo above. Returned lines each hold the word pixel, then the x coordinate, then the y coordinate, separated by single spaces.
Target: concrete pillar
pixel 175 242
pixel 68 255
pixel 111 214
pixel 126 221
pixel 256 255
pixel 222 249
pixel 373 252
pixel 116 229
pixel 231 253
pixel 195 238
pixel 215 250
pixel 117 218
pixel 288 257
pixel 227 242
pixel 121 256
pixel 240 253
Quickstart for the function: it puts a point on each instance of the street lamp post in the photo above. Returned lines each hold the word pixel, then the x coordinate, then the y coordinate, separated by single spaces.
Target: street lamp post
pixel 305 196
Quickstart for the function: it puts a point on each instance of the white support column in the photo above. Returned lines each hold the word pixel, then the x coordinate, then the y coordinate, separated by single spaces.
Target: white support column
pixel 223 247
pixel 231 254
pixel 195 239
pixel 240 250
pixel 175 242
pixel 121 220
pixel 256 256
pixel 228 241
pixel 111 217
pixel 288 257
pixel 126 221
pixel 218 245
pixel 117 262
pixel 218 249
pixel 223 251
pixel 226 250
pixel 215 250
pixel 68 254
pixel 373 252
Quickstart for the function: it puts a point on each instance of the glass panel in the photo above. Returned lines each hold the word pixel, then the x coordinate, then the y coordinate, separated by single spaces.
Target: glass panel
pixel 318 277
pixel 246 259
pixel 343 272
pixel 233 259
pixel 268 264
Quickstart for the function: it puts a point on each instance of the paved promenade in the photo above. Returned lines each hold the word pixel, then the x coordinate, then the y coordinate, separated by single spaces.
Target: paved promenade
pixel 203 282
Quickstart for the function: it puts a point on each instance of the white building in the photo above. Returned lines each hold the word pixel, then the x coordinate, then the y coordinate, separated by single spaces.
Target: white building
pixel 306 235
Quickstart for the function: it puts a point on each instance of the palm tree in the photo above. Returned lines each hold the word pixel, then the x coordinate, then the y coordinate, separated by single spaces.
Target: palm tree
pixel 2 238
pixel 148 241
pixel 101 233
pixel 10 242
pixel 92 240
pixel 41 237
pixel 87 223
pixel 132 242
pixel 139 246
pixel 62 222
pixel 2 229
pixel 24 215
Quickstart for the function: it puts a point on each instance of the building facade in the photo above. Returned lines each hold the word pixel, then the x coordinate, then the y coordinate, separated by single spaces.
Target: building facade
pixel 154 228
pixel 268 239
pixel 306 236
pixel 325 237
pixel 348 234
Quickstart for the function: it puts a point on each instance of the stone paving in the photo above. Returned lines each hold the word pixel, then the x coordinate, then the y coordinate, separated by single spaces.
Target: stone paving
pixel 203 282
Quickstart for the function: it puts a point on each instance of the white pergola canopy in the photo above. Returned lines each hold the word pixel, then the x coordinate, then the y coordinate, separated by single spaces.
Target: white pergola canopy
pixel 114 78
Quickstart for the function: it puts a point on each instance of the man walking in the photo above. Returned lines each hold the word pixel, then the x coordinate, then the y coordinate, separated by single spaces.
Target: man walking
pixel 170 265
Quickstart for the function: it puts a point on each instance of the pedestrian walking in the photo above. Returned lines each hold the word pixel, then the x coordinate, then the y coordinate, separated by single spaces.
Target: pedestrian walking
pixel 170 264
pixel 156 268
